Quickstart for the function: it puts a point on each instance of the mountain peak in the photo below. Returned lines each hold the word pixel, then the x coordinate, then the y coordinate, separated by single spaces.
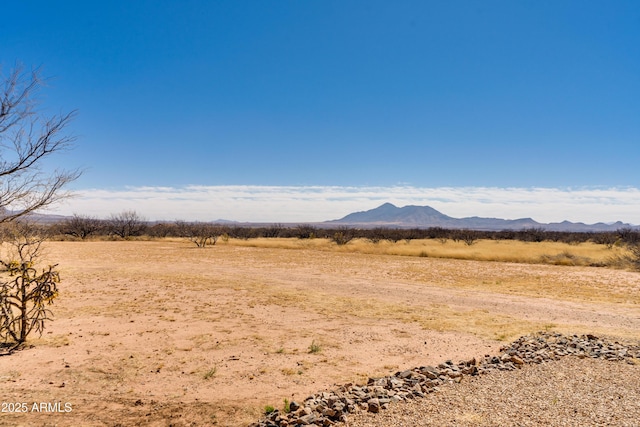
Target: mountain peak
pixel 385 207
pixel 391 215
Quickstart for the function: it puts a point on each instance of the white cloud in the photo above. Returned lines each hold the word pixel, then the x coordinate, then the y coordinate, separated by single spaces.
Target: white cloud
pixel 320 203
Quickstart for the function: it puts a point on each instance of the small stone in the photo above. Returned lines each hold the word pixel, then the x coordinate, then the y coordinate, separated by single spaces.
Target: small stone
pixel 329 412
pixel 307 419
pixel 294 406
pixel 373 405
pixel 430 372
pixel 516 360
pixel 404 374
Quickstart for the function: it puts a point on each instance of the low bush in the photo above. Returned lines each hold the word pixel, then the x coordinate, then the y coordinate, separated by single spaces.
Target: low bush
pixel 26 290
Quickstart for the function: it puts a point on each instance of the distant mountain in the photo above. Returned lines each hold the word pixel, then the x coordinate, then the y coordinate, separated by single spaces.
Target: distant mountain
pixel 42 218
pixel 388 215
pixel 407 216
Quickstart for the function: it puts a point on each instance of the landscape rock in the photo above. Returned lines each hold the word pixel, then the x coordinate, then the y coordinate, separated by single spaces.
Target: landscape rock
pixel 294 406
pixel 373 405
pixel 331 407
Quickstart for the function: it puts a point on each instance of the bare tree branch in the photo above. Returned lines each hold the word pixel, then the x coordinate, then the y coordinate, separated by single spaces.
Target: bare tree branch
pixel 26 141
pixel 126 224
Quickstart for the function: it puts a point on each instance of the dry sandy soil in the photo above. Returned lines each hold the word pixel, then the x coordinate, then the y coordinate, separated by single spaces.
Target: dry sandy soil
pixel 164 333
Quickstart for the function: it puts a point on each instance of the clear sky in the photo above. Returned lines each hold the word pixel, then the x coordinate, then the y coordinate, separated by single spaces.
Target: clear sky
pixel 308 110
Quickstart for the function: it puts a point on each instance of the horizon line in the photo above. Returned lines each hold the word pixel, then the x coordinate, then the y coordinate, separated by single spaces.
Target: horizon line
pixel 317 203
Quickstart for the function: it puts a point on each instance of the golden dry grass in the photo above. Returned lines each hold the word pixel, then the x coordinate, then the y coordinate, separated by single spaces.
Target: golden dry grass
pixel 555 253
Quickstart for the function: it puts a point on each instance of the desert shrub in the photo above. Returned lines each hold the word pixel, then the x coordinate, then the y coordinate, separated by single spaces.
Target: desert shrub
pixel 244 233
pixel 531 235
pixel 565 258
pixel 634 255
pixel 162 229
pixel 629 235
pixel 202 234
pixel 314 348
pixel 343 235
pixel 305 231
pixel 26 290
pixel 394 235
pixel 505 235
pixel 469 237
pixel 377 234
pixel 607 239
pixel 572 238
pixel 274 230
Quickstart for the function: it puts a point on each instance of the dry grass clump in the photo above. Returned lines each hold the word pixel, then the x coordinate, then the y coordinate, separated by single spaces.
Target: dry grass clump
pixel 565 258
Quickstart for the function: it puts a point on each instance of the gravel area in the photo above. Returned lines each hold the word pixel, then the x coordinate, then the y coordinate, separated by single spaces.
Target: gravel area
pixel 544 379
pixel 566 392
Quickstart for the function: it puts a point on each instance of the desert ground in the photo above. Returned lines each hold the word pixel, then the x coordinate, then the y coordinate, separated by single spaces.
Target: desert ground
pixel 160 333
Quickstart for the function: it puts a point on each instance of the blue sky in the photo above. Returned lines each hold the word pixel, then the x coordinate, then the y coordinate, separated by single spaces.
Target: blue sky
pixel 346 103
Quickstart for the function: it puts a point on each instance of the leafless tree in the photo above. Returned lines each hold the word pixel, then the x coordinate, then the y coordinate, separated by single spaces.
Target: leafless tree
pixel 127 224
pixel 81 226
pixel 606 238
pixel 162 229
pixel 27 139
pixel 305 231
pixel 199 233
pixel 469 237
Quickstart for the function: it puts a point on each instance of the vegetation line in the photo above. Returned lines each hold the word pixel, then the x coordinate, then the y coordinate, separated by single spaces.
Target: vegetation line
pixel 618 249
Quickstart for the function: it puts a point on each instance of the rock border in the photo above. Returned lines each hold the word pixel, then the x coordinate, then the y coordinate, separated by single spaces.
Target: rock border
pixel 332 407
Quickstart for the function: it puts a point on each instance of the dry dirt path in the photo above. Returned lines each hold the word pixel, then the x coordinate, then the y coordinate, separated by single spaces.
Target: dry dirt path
pixel 159 333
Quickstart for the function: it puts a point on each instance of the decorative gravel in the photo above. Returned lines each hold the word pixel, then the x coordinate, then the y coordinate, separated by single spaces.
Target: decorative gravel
pixel 567 392
pixel 544 379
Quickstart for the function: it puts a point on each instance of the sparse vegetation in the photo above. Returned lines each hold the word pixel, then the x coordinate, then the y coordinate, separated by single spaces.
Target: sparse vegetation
pixel 306 231
pixel 343 235
pixel 81 226
pixel 362 302
pixel 268 409
pixel 535 245
pixel 202 234
pixel 210 373
pixel 634 255
pixel 27 140
pixel 25 290
pixel 565 258
pixel 547 252
pixel 469 237
pixel 314 348
pixel 126 224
